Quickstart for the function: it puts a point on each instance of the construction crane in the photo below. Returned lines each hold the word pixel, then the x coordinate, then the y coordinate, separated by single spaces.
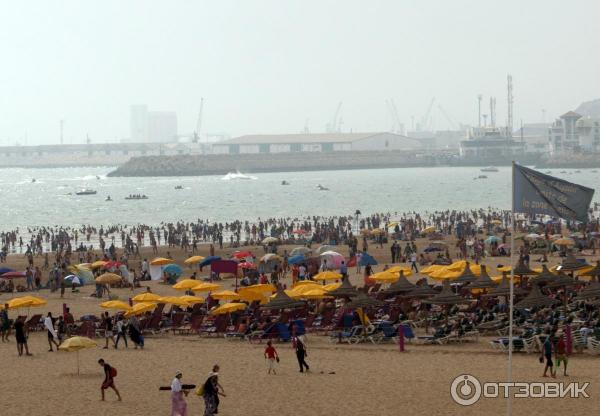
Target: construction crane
pixel 335 125
pixel 199 122
pixel 445 114
pixel 397 126
pixel 426 121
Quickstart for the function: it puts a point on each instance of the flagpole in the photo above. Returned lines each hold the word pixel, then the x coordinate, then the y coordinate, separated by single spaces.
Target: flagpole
pixel 512 287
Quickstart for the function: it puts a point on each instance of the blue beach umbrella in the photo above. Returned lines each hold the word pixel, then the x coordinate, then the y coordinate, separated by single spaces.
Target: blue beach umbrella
pixel 296 259
pixel 367 260
pixel 208 260
pixel 173 269
pixel 492 239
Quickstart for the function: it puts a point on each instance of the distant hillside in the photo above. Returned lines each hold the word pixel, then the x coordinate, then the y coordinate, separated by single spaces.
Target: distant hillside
pixel 589 108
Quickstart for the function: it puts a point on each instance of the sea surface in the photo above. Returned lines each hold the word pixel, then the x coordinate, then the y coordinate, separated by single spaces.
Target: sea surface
pixel 51 199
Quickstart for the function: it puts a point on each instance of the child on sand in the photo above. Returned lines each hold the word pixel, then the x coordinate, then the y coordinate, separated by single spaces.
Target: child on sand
pixel 109 378
pixel 272 358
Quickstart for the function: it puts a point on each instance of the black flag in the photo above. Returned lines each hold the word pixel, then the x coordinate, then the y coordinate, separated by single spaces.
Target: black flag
pixel 536 193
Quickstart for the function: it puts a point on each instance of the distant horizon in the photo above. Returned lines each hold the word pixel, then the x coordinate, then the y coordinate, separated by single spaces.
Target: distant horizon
pixel 267 66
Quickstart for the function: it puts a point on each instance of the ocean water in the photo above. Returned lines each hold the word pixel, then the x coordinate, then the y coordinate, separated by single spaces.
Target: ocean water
pixel 51 199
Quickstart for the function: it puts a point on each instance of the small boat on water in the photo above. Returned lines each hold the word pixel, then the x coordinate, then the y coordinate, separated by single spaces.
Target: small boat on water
pixel 86 192
pixel 179 187
pixel 480 177
pixel 322 188
pixel 285 183
pixel 489 169
pixel 108 198
pixel 33 180
pixel 136 197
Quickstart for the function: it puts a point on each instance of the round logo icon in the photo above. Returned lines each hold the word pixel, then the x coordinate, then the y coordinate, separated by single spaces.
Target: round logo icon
pixel 465 390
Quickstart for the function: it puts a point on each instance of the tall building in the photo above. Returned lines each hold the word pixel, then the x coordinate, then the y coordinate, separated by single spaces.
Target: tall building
pixel 138 123
pixel 162 126
pixel 152 126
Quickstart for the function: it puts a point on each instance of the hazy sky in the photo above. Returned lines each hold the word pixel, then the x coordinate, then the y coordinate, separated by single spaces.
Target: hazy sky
pixel 267 66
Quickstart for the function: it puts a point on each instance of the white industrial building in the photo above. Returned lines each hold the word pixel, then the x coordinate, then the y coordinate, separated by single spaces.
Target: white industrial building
pixel 573 132
pixel 152 126
pixel 315 142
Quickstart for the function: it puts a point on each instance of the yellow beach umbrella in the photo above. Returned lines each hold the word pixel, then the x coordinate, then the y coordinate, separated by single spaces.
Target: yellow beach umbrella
pixel 317 293
pixel 304 282
pixel 206 287
pixel 433 268
pixel 384 277
pixel 140 308
pixel 193 260
pixel 260 288
pixel 115 304
pixel 331 286
pixel 565 241
pixel 393 224
pixel 327 275
pixel 251 296
pixel 445 274
pixel 192 300
pixel 76 344
pixel 398 269
pixel 25 302
pixel 185 284
pixel 496 222
pixel 377 231
pixel 146 297
pixel 225 295
pixel 173 300
pixel 108 278
pixel 228 308
pixel 161 261
pixel 429 230
pixel 98 264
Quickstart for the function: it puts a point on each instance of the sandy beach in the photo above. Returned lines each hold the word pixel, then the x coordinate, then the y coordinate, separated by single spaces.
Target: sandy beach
pixel 344 379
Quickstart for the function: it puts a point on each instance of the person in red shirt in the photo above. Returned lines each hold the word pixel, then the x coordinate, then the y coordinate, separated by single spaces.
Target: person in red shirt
pixel 272 357
pixel 561 354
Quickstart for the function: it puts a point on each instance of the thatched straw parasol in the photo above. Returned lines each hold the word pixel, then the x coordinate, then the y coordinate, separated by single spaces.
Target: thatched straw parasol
pixel 562 280
pixel 363 301
pixel 346 290
pixel 522 270
pixel 466 276
pixel 446 296
pixel 570 264
pixel 483 281
pixel 503 289
pixel 545 277
pixel 591 291
pixel 535 298
pixel 421 291
pixel 282 301
pixel 402 285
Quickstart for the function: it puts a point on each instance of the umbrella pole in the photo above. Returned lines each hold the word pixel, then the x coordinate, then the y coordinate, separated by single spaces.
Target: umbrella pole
pixel 77 362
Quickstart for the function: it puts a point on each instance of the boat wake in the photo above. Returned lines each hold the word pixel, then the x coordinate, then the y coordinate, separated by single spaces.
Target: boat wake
pixel 237 175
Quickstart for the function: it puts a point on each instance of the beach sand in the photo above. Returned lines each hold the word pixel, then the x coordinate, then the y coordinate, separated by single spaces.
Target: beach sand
pixel 344 379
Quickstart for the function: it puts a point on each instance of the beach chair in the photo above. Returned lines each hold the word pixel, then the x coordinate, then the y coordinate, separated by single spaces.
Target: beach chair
pixel 579 341
pixel 407 329
pixel 85 329
pixel 176 321
pixel 385 332
pixel 193 326
pixel 351 336
pixel 153 326
pixel 34 323
pixel 593 346
pixel 529 344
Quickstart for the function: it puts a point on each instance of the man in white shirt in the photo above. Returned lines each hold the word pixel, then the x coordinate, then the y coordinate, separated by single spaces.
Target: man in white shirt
pixel 49 325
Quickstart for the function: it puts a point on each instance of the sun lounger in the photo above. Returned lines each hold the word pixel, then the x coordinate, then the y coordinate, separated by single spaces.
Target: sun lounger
pixel 193 326
pixel 351 336
pixel 593 346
